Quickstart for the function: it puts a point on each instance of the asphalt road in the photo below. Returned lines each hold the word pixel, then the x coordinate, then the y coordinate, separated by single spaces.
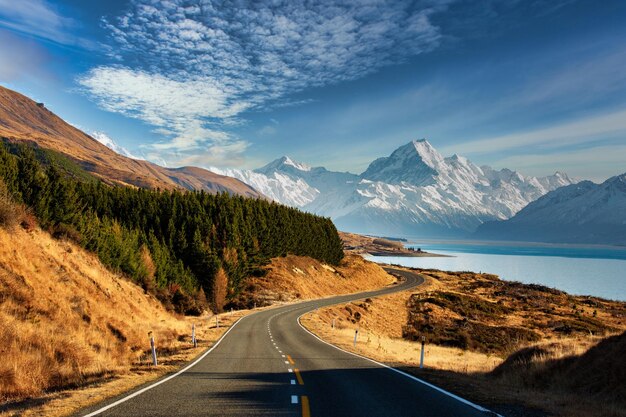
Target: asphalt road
pixel 268 365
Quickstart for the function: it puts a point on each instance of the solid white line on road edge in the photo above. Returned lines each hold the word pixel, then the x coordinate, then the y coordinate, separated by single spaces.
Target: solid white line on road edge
pixel 293 382
pixel 421 381
pixel 149 387
pixel 294 399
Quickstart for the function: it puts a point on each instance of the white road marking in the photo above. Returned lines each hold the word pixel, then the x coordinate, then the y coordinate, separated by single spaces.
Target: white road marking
pixel 293 382
pixel 436 388
pixel 149 387
pixel 290 370
pixel 286 361
pixel 282 356
pixel 294 399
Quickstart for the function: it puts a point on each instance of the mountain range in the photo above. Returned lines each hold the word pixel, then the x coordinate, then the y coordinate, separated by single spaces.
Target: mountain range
pixel 415 191
pixel 579 213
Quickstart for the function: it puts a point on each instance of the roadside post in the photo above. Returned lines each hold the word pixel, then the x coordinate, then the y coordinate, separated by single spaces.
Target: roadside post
pixel 356 333
pixel 217 322
pixel 193 335
pixel 422 353
pixel 153 348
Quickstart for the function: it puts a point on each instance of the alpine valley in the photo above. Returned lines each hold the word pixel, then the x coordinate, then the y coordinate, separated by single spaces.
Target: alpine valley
pixel 414 191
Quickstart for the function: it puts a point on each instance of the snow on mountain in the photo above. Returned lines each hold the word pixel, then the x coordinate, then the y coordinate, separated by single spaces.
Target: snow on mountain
pixel 277 186
pixel 104 139
pixel 415 190
pixel 579 213
pixel 417 163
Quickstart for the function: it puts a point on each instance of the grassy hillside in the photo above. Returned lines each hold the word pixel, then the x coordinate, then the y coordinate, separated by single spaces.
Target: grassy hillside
pixel 66 320
pixel 24 121
pixel 175 244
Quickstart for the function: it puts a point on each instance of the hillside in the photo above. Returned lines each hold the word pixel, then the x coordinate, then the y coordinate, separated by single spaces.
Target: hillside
pixel 415 191
pixel 523 350
pixel 181 246
pixel 22 119
pixel 581 213
pixel 66 320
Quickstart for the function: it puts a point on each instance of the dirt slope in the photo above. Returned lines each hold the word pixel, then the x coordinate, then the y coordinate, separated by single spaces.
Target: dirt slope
pixel 22 119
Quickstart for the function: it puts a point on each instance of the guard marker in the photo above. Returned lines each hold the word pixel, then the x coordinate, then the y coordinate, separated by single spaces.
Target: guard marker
pixel 306 411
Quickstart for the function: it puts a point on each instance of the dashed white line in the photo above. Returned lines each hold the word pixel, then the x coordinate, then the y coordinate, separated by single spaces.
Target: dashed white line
pixel 290 370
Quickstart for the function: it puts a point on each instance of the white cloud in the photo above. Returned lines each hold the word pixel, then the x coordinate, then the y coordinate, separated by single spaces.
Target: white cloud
pixel 192 67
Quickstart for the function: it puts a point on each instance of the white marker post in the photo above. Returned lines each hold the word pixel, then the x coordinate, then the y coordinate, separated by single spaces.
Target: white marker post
pixel 422 353
pixel 217 322
pixel 153 348
pixel 356 333
pixel 193 335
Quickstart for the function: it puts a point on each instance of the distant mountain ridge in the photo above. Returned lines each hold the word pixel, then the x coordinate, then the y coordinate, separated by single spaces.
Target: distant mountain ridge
pixel 23 120
pixel 580 213
pixel 414 191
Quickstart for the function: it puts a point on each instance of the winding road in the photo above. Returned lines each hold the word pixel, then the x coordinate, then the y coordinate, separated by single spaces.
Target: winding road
pixel 267 364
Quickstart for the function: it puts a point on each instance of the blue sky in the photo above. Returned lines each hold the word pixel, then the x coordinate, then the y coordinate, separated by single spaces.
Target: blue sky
pixel 535 85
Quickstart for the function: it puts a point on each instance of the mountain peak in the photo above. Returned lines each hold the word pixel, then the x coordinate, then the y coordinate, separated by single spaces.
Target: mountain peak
pixel 282 163
pixel 416 162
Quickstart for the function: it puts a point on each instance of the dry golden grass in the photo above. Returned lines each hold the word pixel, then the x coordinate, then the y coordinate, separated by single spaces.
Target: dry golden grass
pixel 74 333
pixel 66 319
pixel 293 278
pixel 25 121
pixel 534 384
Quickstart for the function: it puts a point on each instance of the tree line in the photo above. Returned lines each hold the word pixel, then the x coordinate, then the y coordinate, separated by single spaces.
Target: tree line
pixel 182 246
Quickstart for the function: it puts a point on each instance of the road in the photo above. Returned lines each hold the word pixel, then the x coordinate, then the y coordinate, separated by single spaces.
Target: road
pixel 268 365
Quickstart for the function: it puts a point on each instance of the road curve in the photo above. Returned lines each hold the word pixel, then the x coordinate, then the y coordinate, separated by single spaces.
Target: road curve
pixel 268 365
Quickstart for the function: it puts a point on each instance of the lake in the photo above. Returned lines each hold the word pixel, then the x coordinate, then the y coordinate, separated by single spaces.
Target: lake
pixel 582 270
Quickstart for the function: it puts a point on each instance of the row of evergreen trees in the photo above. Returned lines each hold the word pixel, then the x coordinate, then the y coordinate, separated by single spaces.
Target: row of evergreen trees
pixel 173 243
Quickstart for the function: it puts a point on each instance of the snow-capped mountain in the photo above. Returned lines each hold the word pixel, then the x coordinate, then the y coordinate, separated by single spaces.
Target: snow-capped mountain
pixel 415 190
pixel 580 213
pixel 104 139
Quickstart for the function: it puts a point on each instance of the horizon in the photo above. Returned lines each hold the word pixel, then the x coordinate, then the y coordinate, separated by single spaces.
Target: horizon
pixel 537 89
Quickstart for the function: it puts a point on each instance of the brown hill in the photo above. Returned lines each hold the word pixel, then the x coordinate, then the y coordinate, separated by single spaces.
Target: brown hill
pixel 22 119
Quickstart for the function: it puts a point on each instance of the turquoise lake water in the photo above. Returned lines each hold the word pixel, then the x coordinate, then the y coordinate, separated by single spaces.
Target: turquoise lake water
pixel 584 270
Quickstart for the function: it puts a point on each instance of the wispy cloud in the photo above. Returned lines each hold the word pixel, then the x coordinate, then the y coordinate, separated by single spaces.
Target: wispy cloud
pixel 559 135
pixel 40 19
pixel 597 161
pixel 191 67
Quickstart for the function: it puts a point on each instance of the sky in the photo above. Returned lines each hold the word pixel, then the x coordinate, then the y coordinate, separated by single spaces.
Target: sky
pixel 533 85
